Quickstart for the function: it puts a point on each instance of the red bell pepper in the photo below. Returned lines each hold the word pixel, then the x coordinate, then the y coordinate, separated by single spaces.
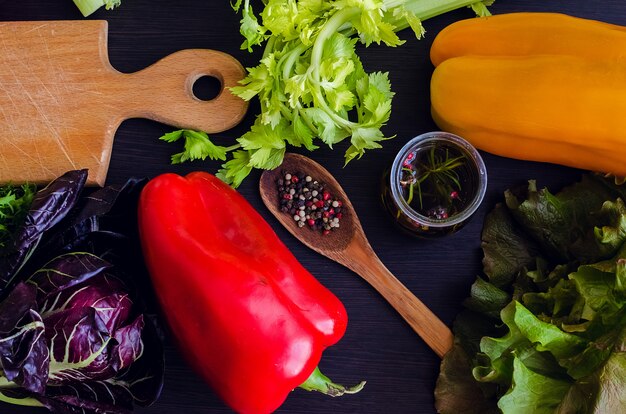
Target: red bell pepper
pixel 246 315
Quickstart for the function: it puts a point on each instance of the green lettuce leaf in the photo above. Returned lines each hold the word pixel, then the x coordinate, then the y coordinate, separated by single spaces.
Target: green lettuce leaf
pixel 564 225
pixel 486 298
pixel 506 250
pixel 457 392
pixel 603 390
pixel 532 393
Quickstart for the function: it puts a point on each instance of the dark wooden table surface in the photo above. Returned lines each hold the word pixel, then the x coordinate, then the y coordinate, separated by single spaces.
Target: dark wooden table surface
pixel 378 346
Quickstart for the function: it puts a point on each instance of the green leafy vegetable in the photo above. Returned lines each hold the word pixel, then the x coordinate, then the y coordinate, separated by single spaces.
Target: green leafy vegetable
pixel 88 7
pixel 14 205
pixel 532 392
pixel 237 169
pixel 545 328
pixel 198 146
pixel 310 81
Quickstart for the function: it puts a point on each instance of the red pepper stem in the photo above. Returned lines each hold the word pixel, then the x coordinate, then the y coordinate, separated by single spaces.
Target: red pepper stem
pixel 320 382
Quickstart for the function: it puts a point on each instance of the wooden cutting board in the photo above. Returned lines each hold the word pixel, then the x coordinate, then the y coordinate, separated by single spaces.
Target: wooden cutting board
pixel 61 101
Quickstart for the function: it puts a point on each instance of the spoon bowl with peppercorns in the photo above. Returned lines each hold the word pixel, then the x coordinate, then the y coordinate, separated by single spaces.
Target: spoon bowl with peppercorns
pixel 308 201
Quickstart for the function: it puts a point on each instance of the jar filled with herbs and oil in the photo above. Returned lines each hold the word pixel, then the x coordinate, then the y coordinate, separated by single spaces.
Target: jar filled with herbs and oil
pixel 435 184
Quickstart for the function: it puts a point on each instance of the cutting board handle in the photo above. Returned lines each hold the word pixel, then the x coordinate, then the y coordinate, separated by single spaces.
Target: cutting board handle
pixel 164 91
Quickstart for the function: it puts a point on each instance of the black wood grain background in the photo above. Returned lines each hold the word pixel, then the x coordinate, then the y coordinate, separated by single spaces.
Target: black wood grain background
pixel 378 346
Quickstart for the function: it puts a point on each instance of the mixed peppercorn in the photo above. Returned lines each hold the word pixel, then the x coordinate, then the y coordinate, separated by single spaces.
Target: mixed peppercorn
pixel 308 202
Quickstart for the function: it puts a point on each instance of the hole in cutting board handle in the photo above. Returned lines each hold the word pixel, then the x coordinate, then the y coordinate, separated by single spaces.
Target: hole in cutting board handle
pixel 206 88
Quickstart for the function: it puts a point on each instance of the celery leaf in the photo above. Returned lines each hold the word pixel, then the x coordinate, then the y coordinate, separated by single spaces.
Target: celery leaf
pixel 235 170
pixel 198 146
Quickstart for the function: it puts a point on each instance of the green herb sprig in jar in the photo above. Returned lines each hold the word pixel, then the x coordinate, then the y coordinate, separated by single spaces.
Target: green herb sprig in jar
pixel 437 181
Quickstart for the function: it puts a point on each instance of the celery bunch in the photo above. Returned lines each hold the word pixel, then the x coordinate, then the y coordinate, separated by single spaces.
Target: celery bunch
pixel 310 81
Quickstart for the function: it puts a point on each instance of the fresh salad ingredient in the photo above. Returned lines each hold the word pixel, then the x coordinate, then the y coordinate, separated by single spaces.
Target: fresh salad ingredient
pixel 506 103
pixel 49 206
pixel 544 329
pixel 14 205
pixel 197 146
pixel 310 81
pixel 523 34
pixel 247 316
pixel 509 108
pixel 72 334
pixel 70 338
pixel 88 7
pixel 309 202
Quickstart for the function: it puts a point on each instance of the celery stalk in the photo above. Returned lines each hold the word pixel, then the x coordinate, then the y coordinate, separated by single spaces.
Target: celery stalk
pixel 88 7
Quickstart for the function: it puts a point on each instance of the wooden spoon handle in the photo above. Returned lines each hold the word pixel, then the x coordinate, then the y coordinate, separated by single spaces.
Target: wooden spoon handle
pixel 424 322
pixel 164 91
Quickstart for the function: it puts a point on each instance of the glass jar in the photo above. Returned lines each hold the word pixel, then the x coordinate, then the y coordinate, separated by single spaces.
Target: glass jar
pixel 435 184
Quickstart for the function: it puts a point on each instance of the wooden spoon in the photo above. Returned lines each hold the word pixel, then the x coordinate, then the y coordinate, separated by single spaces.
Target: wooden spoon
pixel 348 246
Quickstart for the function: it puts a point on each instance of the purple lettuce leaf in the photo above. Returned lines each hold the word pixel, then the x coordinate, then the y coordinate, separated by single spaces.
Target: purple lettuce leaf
pixel 130 346
pixel 79 346
pixel 70 404
pixel 83 307
pixel 66 271
pixel 104 293
pixel 24 354
pixel 49 207
pixel 63 400
pixel 96 344
pixel 138 383
pixel 78 280
pixel 103 223
pixel 144 378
